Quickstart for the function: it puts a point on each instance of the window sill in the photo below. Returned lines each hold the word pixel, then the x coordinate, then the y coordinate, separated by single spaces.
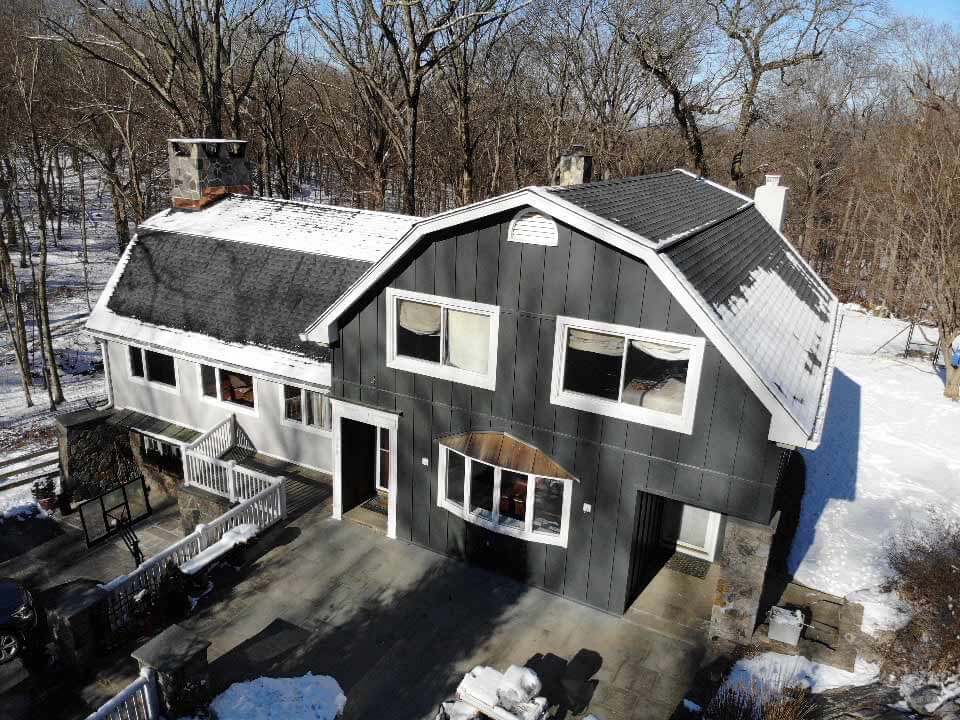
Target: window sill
pixel 443 372
pixel 630 413
pixel 233 407
pixel 478 519
pixel 143 382
pixel 306 428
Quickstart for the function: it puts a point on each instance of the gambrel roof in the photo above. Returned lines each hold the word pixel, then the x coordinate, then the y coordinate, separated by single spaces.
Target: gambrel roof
pixel 746 287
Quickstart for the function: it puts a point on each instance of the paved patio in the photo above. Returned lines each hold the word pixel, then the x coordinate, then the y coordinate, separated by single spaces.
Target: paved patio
pixel 398 626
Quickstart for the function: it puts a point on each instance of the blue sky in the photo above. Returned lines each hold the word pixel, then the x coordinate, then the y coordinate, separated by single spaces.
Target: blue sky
pixel 939 10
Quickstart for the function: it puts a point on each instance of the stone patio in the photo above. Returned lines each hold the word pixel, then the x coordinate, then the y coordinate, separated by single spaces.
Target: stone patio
pixel 398 626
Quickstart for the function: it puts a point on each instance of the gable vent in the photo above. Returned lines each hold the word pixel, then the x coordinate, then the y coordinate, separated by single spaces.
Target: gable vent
pixel 533 228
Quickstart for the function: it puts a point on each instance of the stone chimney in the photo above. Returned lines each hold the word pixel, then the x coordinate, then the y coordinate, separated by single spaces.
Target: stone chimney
pixel 771 200
pixel 204 170
pixel 576 166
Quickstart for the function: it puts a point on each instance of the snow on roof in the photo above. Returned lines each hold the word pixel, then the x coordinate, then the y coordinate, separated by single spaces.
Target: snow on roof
pixel 306 227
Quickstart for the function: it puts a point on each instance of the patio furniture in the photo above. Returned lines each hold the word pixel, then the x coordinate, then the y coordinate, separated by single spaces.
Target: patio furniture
pixel 503 696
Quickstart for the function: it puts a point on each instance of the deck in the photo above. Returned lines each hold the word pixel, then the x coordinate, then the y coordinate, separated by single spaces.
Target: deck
pixel 306 487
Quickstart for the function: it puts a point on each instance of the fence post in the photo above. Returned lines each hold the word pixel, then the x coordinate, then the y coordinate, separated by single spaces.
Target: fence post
pixel 283 498
pixel 232 480
pixel 153 700
pixel 201 531
pixel 187 470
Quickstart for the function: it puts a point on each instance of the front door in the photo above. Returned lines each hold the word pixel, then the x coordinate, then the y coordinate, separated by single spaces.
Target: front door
pixel 359 462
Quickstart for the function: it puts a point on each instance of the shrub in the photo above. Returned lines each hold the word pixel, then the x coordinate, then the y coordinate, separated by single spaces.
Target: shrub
pixel 769 698
pixel 926 573
pixel 43 489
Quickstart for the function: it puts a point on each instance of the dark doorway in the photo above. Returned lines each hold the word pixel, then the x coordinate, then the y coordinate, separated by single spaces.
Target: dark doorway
pixel 358 462
pixel 649 554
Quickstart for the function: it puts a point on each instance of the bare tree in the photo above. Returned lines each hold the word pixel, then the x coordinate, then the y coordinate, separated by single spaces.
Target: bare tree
pixel 197 57
pixel 419 35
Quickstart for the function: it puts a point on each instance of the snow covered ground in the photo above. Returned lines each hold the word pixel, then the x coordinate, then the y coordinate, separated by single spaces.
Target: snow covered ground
pixel 888 459
pixel 770 672
pixel 23 428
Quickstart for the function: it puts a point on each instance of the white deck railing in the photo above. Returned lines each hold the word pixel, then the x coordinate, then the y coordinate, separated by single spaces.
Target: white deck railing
pixel 264 508
pixel 137 701
pixel 218 439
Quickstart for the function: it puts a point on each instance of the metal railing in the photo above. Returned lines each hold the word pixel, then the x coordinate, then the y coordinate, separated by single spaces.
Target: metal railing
pixel 264 509
pixel 137 701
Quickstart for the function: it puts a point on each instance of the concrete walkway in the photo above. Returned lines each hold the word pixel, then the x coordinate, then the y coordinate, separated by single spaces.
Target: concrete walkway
pixel 398 626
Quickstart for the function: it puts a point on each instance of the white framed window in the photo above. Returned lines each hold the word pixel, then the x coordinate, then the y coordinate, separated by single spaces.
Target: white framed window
pixel 527 506
pixel 443 337
pixel 643 376
pixel 228 386
pixel 306 408
pixel 691 530
pixel 533 228
pixel 151 366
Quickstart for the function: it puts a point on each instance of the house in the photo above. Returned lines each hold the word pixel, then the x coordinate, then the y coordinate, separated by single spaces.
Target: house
pixel 553 382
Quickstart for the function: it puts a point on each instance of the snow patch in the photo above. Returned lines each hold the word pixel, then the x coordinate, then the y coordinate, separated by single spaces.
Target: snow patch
pixel 18 504
pixel 311 697
pixel 887 461
pixel 882 611
pixel 770 671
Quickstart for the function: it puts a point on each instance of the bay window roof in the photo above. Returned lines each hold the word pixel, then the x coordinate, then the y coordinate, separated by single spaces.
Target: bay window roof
pixel 506 451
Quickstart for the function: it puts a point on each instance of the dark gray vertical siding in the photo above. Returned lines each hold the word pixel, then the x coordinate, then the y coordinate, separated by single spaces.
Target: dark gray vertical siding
pixel 727 464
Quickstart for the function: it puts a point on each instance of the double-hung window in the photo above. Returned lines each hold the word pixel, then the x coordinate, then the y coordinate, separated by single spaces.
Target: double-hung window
pixel 639 375
pixel 153 366
pixel 308 408
pixel 227 386
pixel 442 337
pixel 525 505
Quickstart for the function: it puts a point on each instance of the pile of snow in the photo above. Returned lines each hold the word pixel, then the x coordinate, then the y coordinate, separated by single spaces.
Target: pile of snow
pixel 17 503
pixel 770 672
pixel 882 611
pixel 311 697
pixel 888 460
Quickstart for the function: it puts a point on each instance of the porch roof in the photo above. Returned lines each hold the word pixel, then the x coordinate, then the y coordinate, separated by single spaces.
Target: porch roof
pixel 506 451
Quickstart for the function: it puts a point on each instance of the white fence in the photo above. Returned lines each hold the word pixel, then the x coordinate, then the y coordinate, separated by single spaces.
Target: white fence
pixel 266 507
pixel 217 440
pixel 204 468
pixel 137 701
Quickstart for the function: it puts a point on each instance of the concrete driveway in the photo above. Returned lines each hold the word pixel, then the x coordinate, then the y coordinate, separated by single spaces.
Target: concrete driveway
pixel 398 626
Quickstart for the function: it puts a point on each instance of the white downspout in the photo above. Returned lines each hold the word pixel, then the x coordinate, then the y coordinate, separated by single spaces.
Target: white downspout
pixel 106 374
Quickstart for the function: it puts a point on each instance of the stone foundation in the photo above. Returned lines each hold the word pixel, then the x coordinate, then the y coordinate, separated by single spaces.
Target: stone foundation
pixel 743 568
pixel 199 507
pixel 72 611
pixel 179 659
pixel 161 481
pixel 94 455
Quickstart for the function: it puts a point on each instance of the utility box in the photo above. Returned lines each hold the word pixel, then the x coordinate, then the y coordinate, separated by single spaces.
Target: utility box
pixel 785 625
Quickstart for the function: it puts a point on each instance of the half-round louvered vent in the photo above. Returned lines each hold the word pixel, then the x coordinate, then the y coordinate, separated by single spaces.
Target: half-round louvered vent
pixel 534 228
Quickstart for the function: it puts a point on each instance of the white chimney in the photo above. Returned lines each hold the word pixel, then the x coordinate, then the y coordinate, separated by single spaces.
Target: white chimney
pixel 771 200
pixel 576 166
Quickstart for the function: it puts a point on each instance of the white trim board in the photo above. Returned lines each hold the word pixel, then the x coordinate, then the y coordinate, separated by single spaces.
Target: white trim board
pixel 371 416
pixel 784 428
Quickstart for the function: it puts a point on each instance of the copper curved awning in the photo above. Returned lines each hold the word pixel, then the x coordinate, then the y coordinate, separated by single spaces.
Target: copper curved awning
pixel 499 448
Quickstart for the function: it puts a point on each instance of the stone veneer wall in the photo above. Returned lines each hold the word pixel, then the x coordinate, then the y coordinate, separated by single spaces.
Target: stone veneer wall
pixel 743 569
pixel 94 455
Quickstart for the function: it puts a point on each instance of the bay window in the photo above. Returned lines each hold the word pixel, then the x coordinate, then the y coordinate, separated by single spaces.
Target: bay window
pixel 634 374
pixel 442 337
pixel 308 408
pixel 505 500
pixel 227 386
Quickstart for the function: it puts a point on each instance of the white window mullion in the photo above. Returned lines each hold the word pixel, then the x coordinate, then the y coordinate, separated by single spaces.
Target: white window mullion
pixel 623 369
pixel 528 515
pixel 496 495
pixel 467 471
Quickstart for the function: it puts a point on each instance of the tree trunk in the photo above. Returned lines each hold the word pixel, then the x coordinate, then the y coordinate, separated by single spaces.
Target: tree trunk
pixel 744 123
pixel 410 174
pixel 55 390
pixel 17 326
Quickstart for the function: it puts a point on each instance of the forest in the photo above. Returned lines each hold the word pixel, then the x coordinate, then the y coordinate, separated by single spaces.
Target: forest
pixel 419 106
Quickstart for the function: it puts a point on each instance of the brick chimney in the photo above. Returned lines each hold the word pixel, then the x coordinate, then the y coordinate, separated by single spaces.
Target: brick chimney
pixel 204 170
pixel 771 201
pixel 576 166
